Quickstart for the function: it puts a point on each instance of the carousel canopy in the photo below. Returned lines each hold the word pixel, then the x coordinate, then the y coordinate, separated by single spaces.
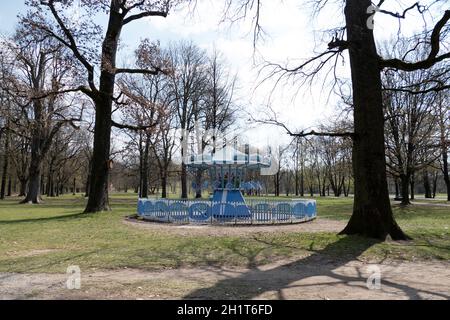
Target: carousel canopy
pixel 228 156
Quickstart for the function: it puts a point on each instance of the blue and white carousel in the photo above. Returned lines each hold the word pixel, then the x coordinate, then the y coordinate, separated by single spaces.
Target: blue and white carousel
pixel 228 170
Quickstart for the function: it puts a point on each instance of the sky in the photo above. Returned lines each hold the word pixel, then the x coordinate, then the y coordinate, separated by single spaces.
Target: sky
pixel 292 33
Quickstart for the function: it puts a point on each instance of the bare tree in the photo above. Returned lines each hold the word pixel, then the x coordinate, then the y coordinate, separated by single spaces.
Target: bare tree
pixel 410 129
pixel 41 68
pixel 372 213
pixel 84 40
pixel 217 112
pixel 442 112
pixel 187 81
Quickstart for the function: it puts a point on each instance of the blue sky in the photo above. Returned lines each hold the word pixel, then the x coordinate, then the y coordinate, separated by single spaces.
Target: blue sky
pixel 8 15
pixel 204 28
pixel 291 37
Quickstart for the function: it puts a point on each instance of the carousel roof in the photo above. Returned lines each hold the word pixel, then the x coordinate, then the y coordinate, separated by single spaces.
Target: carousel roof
pixel 228 156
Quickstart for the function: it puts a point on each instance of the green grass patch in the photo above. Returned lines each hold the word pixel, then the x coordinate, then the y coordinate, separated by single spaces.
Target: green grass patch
pixel 54 235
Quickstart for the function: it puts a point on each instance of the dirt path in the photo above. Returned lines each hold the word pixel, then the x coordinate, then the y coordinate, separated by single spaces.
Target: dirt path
pixel 318 225
pixel 321 280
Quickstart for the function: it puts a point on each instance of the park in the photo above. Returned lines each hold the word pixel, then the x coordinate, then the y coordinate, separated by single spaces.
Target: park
pixel 186 150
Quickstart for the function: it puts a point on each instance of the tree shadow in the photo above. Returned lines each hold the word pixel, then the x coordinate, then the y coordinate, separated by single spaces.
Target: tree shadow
pixel 45 219
pixel 256 281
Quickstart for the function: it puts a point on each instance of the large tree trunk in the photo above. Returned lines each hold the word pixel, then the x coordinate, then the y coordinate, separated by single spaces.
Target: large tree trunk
pixel 145 169
pixel 412 183
pixel 445 169
pixel 99 177
pixel 99 182
pixel 34 183
pixel 9 186
pixel 88 180
pixel 427 185
pixel 184 189
pixel 372 214
pixel 34 180
pixel 5 168
pixel 404 182
pixel 23 186
pixel 198 182
pixel 164 187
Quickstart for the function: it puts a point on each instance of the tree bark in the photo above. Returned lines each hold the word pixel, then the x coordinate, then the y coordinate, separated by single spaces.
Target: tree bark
pixel 198 182
pixel 5 168
pixel 9 186
pixel 23 187
pixel 34 183
pixel 88 180
pixel 184 190
pixel 445 168
pixel 99 178
pixel 412 183
pixel 302 184
pixel 99 182
pixel 405 182
pixel 164 187
pixel 34 179
pixel 397 189
pixel 372 214
pixel 145 169
pixel 427 185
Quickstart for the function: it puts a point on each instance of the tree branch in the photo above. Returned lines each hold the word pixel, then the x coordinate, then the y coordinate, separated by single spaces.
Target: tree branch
pixel 50 93
pixel 72 45
pixel 437 88
pixel 144 15
pixel 133 128
pixel 153 72
pixel 433 56
pixel 420 9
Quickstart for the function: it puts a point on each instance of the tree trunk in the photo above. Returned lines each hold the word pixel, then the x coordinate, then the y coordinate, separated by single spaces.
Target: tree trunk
pixel 397 189
pixel 413 186
pixel 302 184
pixel 427 185
pixel 34 183
pixel 34 180
pixel 198 182
pixel 435 179
pixel 404 182
pixel 47 188
pixel 5 168
pixel 372 214
pixel 164 187
pixel 23 187
pixel 445 169
pixel 99 183
pixel 184 189
pixel 88 180
pixel 9 187
pixel 145 169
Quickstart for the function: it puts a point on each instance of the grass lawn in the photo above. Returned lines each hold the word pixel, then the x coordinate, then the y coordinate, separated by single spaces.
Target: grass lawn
pixel 52 236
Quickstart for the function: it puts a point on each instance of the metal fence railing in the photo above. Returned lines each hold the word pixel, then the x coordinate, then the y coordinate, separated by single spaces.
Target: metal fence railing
pixel 254 211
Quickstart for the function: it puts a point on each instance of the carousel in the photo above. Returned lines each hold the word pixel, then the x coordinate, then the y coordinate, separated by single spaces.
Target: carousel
pixel 229 179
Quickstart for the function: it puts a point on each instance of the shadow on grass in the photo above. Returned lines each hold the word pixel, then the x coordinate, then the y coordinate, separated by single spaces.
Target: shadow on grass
pixel 254 282
pixel 46 219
